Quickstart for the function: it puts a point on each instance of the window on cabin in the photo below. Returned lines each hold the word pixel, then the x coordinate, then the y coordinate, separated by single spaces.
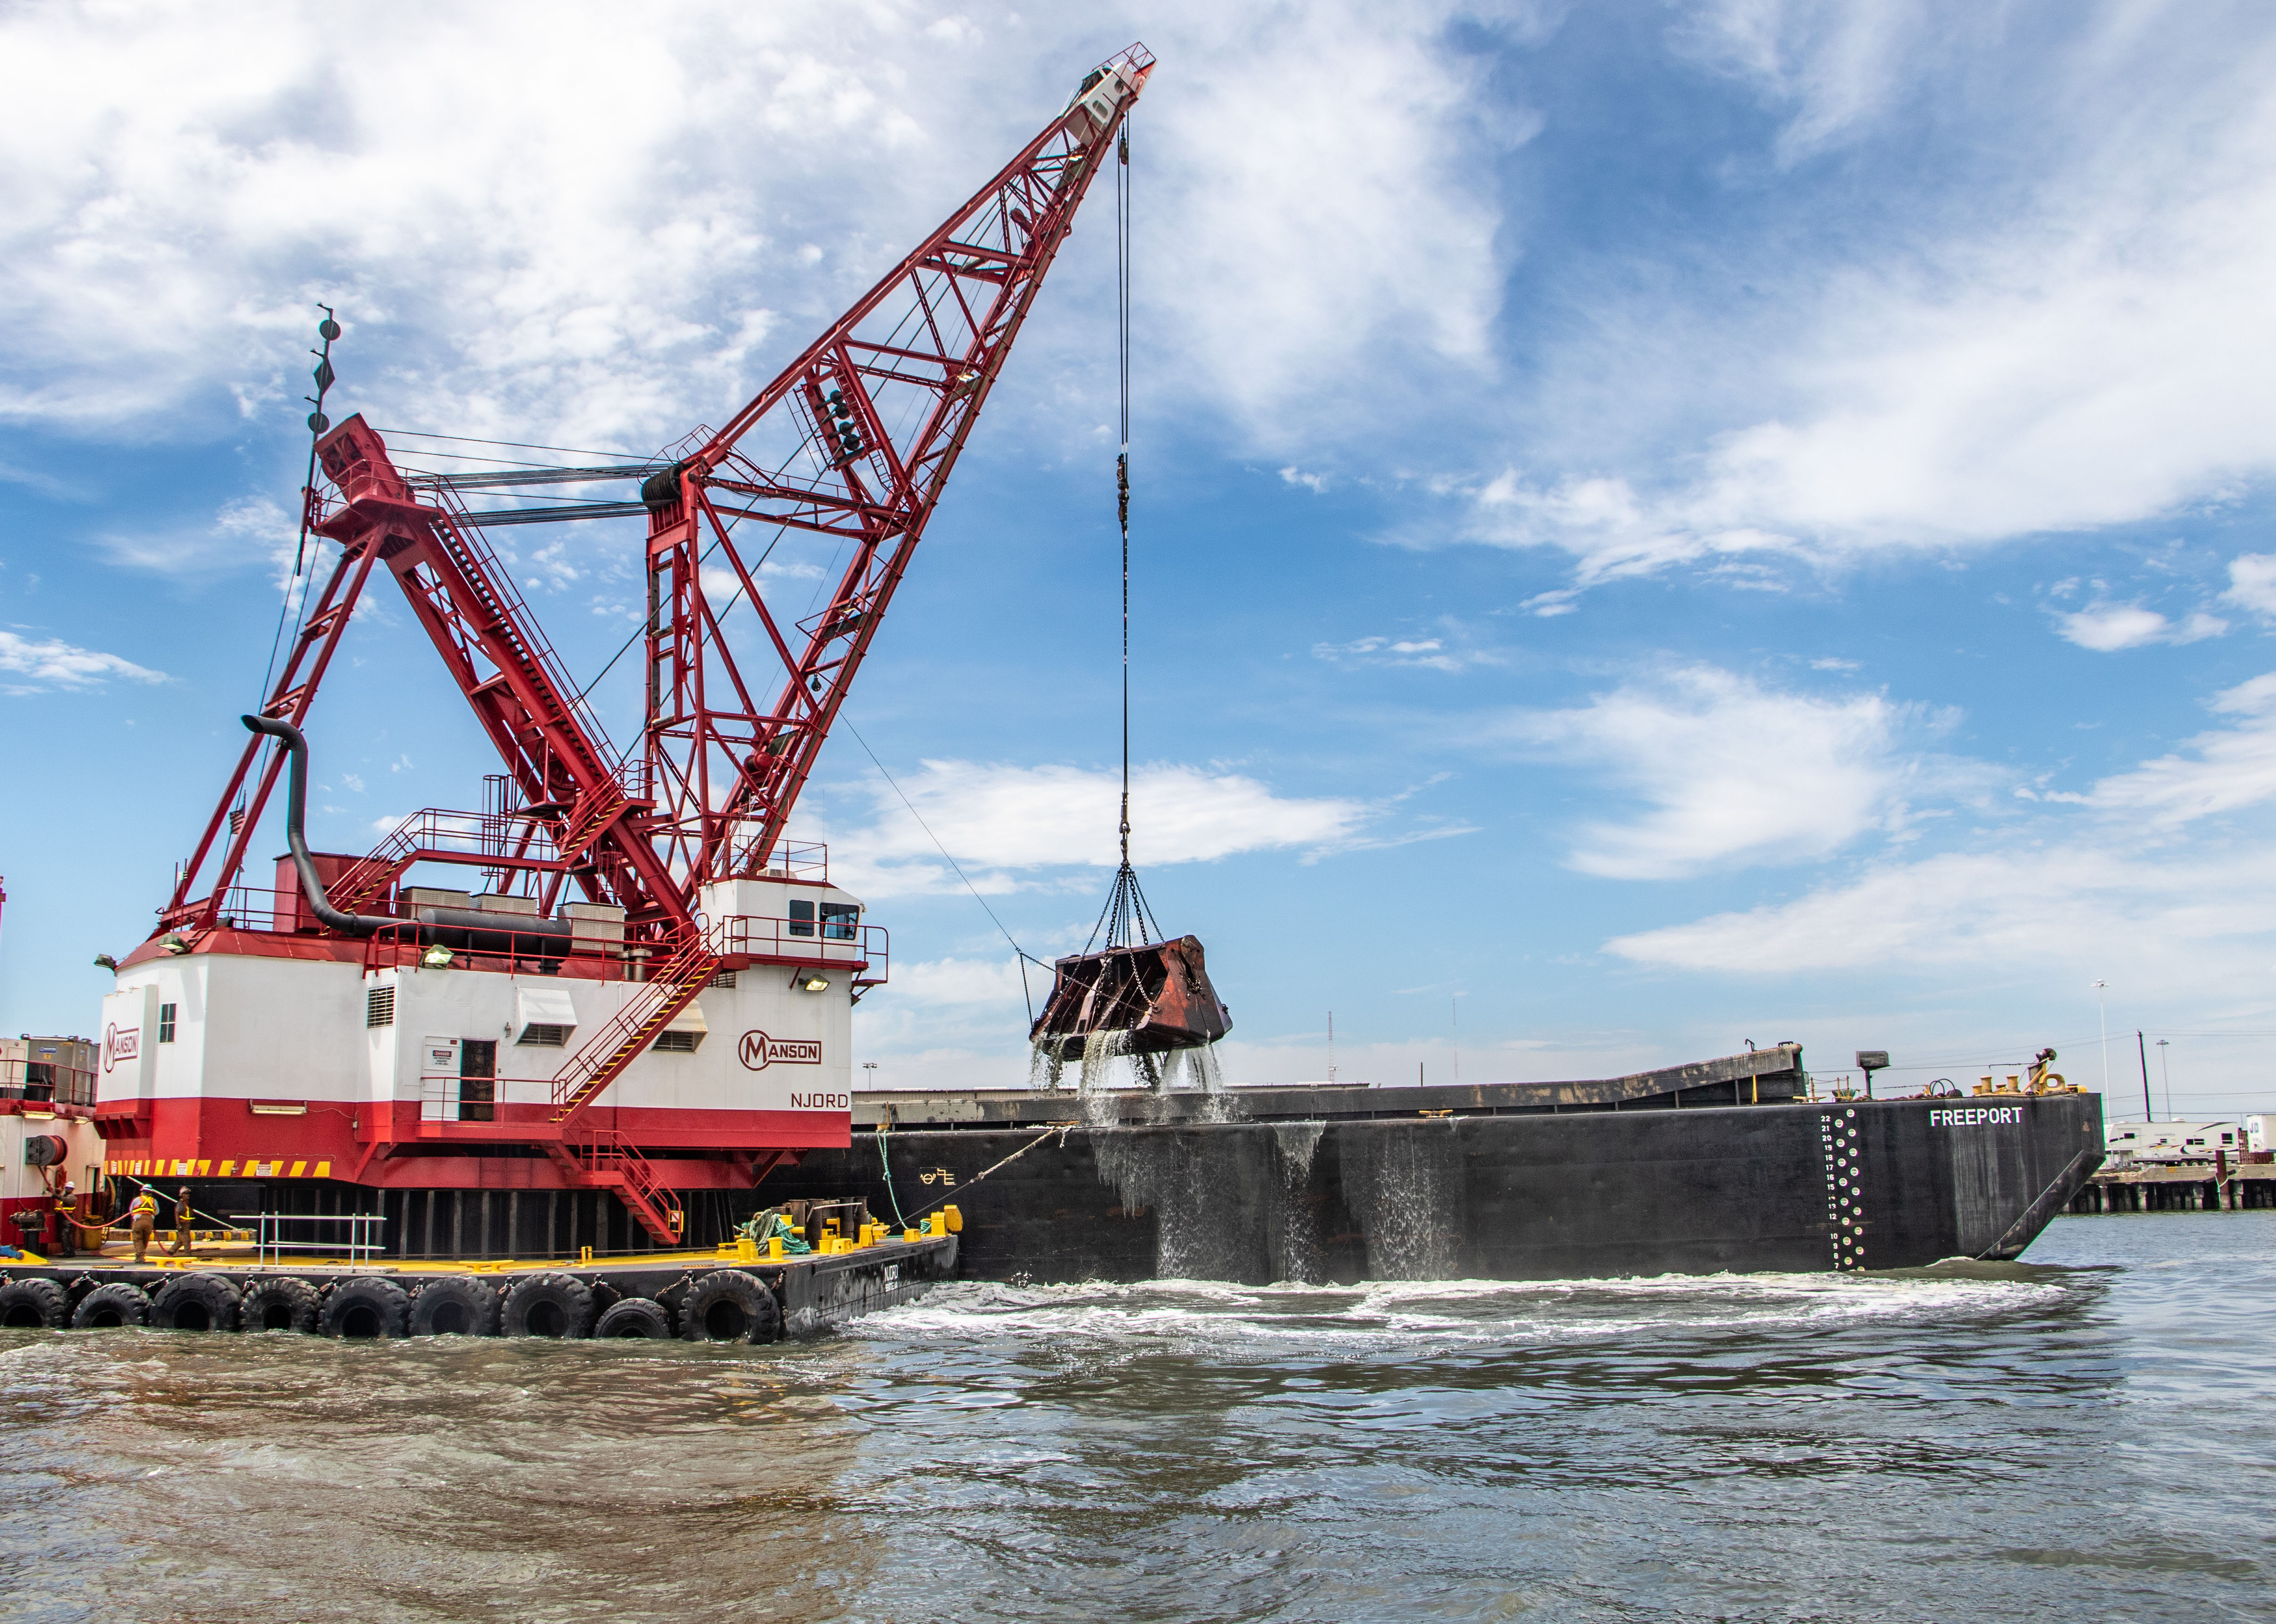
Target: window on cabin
pixel 802 918
pixel 839 919
pixel 166 1023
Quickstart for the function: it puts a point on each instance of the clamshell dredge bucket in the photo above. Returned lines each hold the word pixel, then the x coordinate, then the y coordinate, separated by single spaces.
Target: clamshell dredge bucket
pixel 1153 997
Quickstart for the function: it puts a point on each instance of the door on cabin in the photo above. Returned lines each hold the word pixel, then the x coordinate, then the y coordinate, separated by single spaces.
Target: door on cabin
pixel 478 1080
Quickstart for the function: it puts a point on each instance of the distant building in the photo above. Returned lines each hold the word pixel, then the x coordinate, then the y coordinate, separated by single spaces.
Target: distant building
pixel 60 1070
pixel 2175 1142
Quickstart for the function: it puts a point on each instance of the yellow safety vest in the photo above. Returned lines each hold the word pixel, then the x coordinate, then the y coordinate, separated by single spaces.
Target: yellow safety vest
pixel 146 1205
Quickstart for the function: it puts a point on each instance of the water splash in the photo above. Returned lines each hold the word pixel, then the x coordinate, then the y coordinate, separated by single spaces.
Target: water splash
pixel 1405 1184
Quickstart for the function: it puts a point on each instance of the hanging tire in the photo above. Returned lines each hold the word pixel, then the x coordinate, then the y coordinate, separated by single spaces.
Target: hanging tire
pixel 456 1305
pixel 728 1305
pixel 107 1307
pixel 281 1303
pixel 196 1303
pixel 33 1305
pixel 548 1305
pixel 634 1316
pixel 366 1307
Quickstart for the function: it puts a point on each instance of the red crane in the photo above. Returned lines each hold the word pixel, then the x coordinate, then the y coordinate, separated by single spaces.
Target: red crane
pixel 854 439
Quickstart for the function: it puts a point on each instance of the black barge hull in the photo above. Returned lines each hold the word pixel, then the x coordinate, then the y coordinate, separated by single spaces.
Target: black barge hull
pixel 1508 1184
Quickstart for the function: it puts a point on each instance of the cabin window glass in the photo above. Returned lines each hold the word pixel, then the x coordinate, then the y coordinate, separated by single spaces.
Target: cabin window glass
pixel 678 1043
pixel 166 1022
pixel 802 918
pixel 839 919
pixel 477 1079
pixel 379 1008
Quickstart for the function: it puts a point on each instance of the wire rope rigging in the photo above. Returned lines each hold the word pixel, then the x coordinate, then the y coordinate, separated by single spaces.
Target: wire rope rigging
pixel 1132 990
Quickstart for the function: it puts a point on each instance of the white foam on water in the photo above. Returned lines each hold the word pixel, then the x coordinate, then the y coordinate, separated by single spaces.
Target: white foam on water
pixel 1413 1315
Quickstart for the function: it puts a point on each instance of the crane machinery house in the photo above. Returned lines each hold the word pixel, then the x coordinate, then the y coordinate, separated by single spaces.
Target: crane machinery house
pixel 599 1011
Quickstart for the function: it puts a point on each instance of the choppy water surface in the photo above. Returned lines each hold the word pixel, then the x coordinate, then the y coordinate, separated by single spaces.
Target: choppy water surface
pixel 2088 1433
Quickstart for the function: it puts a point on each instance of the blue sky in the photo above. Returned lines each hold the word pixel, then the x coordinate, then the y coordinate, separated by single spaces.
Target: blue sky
pixel 1656 526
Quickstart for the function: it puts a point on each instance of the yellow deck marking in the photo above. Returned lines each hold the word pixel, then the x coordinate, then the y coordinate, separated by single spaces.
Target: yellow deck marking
pixel 228 1168
pixel 323 1170
pixel 298 1169
pixel 202 1168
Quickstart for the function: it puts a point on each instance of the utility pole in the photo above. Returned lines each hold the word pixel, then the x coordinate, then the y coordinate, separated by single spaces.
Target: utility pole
pixel 2099 1009
pixel 2166 1072
pixel 2149 1110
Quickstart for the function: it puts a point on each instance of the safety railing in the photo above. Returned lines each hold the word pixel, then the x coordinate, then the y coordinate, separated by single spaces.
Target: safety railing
pixel 365 1241
pixel 51 1081
pixel 808 941
pixel 448 1097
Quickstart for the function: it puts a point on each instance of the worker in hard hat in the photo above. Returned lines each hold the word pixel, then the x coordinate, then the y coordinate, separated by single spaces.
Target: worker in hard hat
pixel 143 1221
pixel 66 1199
pixel 181 1245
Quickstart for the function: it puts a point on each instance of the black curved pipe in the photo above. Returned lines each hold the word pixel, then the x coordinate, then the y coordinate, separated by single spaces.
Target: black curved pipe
pixel 468 929
pixel 296 807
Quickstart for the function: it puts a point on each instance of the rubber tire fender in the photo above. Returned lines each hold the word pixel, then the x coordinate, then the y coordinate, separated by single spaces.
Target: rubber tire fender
pixel 634 1316
pixel 119 1304
pixel 476 1301
pixel 282 1295
pixel 560 1305
pixel 186 1295
pixel 388 1303
pixel 701 1313
pixel 36 1302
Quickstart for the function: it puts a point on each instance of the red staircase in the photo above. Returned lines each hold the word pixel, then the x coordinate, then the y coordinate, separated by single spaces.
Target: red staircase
pixel 670 988
pixel 602 1158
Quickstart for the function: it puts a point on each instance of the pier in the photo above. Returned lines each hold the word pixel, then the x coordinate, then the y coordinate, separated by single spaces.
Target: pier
pixel 2193 1188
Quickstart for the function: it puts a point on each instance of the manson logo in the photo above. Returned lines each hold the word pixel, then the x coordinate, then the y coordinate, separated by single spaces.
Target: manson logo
pixel 757 1050
pixel 117 1045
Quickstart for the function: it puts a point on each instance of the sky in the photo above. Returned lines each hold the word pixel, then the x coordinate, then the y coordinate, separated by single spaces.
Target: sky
pixel 1655 526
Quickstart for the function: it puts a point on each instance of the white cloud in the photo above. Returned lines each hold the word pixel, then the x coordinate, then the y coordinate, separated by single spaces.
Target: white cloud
pixel 1431 653
pixel 2067 330
pixel 508 264
pixel 2081 891
pixel 981 984
pixel 2108 627
pixel 2226 768
pixel 1005 822
pixel 1730 773
pixel 2252 582
pixel 37 662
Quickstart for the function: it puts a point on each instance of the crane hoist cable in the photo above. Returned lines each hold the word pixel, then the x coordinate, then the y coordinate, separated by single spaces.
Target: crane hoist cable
pixel 1126 921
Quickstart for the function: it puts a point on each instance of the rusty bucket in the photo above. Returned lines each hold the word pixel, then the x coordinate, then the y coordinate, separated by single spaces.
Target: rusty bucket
pixel 1147 999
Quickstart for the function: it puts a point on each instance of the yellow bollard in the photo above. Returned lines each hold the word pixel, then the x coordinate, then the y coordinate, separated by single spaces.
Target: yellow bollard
pixel 774 1248
pixel 952 1218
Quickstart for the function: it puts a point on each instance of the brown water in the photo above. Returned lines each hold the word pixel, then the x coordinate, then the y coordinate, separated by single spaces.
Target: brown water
pixel 2086 1434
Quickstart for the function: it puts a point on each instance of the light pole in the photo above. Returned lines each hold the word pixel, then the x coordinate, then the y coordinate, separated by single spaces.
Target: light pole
pixel 870 1066
pixel 2166 1073
pixel 2099 1009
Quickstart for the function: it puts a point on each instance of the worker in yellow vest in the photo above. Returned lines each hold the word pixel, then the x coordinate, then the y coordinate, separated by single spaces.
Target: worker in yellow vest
pixel 143 1221
pixel 181 1245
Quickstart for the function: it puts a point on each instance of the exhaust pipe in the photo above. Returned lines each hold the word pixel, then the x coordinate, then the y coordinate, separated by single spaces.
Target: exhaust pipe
pixel 296 807
pixel 467 929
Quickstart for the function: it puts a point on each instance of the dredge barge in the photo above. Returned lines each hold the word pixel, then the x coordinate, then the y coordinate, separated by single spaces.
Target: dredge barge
pixel 1726 1164
pixel 587 1020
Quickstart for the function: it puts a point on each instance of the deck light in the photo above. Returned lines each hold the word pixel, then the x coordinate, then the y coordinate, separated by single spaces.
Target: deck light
pixel 437 958
pixel 814 981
